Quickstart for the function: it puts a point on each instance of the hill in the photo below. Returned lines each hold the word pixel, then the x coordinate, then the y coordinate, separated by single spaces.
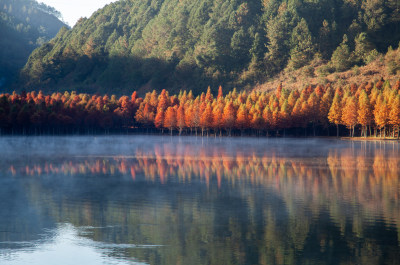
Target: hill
pixel 24 25
pixel 320 72
pixel 181 44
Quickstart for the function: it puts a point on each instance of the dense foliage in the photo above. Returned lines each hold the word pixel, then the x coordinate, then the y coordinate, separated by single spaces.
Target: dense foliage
pixel 370 107
pixel 24 25
pixel 182 44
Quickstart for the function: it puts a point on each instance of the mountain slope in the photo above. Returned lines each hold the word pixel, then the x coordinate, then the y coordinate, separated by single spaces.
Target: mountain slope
pixel 385 67
pixel 175 44
pixel 24 25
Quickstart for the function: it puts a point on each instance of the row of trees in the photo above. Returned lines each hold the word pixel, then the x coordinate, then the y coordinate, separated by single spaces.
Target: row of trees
pixel 372 107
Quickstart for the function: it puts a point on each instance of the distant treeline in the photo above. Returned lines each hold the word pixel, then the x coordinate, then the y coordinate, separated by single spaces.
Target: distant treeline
pixel 369 109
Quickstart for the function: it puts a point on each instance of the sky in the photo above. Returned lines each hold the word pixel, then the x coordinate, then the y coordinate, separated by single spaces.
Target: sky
pixel 72 10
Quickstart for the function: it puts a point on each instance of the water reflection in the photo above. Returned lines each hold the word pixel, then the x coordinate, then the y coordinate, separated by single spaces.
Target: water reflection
pixel 62 246
pixel 215 202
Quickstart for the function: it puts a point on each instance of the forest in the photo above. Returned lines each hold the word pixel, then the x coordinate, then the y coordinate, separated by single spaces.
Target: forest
pixel 367 109
pixel 190 45
pixel 24 26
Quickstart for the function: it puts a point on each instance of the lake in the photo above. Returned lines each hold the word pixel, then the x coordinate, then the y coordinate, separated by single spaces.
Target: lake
pixel 187 200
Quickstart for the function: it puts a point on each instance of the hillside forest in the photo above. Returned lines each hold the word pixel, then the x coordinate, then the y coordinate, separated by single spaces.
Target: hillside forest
pixel 190 45
pixel 24 26
pixel 368 109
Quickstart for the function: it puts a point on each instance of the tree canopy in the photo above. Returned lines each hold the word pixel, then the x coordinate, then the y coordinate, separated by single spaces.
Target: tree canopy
pixel 24 26
pixel 181 44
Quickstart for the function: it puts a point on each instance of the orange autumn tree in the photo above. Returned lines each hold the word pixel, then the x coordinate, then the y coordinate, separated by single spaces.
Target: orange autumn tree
pixel 189 115
pixel 196 115
pixel 206 119
pixel 313 109
pixel 217 116
pixel 394 115
pixel 180 118
pixel 220 94
pixel 335 112
pixel 159 119
pixel 229 117
pixel 364 112
pixel 170 119
pixel 267 117
pixel 242 118
pixel 349 114
pixel 284 117
pixel 381 114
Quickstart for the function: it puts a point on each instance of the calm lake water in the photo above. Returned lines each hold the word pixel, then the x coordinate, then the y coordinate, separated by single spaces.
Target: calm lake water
pixel 171 200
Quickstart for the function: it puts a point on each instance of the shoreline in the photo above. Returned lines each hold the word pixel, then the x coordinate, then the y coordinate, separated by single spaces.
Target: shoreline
pixel 132 133
pixel 370 139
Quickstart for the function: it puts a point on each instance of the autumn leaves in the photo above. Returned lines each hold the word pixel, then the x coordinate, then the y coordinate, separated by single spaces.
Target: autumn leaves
pixel 372 108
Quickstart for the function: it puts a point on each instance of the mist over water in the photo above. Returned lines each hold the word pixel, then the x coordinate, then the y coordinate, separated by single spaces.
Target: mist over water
pixel 188 200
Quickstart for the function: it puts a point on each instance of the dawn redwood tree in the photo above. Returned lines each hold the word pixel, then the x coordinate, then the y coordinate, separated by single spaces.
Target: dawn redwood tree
pixel 180 118
pixel 292 99
pixel 394 115
pixel 381 114
pixel 397 85
pixel 170 119
pixel 296 115
pixel 159 119
pixel 279 90
pixel 313 109
pixel 364 112
pixel 284 117
pixel 145 115
pixel 153 101
pixel 305 115
pixel 242 118
pixel 189 115
pixel 275 121
pixel 325 104
pixel 206 119
pixel 163 101
pixel 220 93
pixel 335 112
pixel 229 117
pixel 257 122
pixel 349 114
pixel 217 117
pixel 267 118
pixel 195 114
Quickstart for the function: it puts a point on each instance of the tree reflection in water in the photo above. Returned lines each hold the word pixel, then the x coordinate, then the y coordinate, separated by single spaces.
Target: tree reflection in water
pixel 218 204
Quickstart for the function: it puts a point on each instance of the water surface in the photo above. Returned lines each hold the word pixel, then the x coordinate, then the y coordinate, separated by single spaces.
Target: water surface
pixel 170 200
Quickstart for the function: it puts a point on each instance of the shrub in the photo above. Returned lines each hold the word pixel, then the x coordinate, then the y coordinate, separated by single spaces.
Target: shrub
pixel 372 56
pixel 308 71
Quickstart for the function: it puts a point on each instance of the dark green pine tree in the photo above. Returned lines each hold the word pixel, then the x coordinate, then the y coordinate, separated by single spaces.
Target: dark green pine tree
pixel 363 47
pixel 303 48
pixel 341 57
